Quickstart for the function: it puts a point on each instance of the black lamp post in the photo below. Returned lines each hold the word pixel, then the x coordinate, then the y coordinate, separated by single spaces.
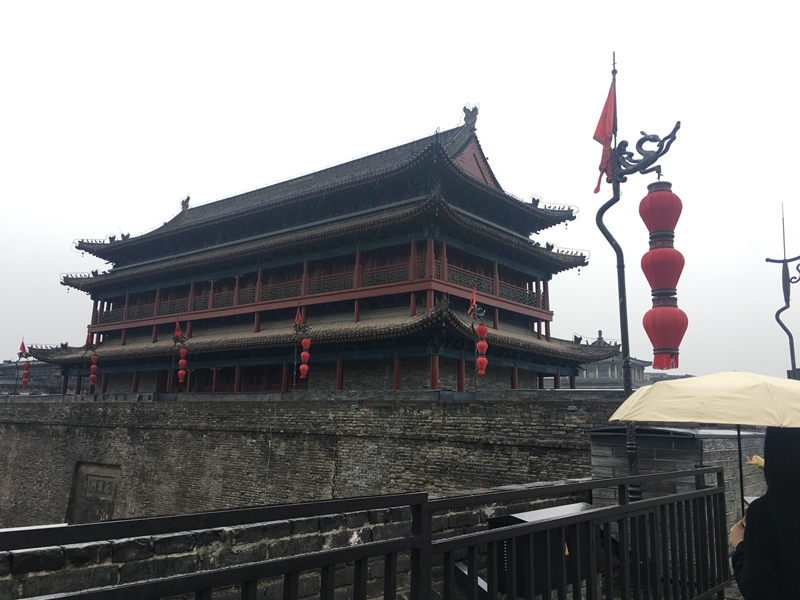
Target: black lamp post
pixel 786 282
pixel 621 163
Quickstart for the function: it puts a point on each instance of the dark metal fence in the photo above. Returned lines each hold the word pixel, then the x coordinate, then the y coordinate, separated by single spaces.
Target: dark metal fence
pixel 670 546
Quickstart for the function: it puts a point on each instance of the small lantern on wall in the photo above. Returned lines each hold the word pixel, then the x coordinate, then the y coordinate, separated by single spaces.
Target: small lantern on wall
pixel 305 356
pixel 183 352
pixel 93 374
pixel 26 373
pixel 481 346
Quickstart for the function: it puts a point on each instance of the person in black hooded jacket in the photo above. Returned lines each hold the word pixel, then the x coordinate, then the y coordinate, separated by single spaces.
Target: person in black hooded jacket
pixel 766 559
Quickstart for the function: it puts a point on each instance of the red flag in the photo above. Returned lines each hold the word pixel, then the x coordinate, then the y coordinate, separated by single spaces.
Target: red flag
pixel 22 347
pixel 472 300
pixel 298 317
pixel 604 133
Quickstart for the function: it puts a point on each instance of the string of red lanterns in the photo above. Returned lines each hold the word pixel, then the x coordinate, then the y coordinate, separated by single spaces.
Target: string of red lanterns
pixel 305 356
pixel 662 264
pixel 26 372
pixel 93 374
pixel 481 346
pixel 183 352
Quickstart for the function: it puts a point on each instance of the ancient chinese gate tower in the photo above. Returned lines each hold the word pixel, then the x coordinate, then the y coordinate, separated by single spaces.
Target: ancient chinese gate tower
pixel 376 259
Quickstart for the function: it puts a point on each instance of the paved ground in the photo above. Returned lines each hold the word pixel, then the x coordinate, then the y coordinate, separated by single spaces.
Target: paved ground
pixel 732 592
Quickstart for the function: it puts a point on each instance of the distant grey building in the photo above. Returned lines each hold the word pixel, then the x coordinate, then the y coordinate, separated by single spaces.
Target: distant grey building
pixel 607 373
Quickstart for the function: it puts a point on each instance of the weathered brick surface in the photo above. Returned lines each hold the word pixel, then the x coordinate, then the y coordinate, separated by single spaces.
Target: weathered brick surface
pixel 37 559
pixel 197 454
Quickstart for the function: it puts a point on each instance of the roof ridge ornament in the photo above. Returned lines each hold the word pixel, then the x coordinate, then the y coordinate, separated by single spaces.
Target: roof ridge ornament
pixel 470 117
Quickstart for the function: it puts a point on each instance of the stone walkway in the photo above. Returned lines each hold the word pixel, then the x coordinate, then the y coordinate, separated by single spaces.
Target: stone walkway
pixel 732 592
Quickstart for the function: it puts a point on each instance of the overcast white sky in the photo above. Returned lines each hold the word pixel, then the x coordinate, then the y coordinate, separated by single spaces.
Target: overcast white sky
pixel 111 113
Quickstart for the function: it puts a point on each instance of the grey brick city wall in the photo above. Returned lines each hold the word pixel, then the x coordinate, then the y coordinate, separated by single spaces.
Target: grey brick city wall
pixel 62 459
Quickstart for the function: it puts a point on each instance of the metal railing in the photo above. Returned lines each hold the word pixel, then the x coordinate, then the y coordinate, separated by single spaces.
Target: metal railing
pixel 669 546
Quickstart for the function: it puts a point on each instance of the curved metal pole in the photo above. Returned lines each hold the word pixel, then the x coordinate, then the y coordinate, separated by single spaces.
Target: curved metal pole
pixel 631 448
pixel 786 281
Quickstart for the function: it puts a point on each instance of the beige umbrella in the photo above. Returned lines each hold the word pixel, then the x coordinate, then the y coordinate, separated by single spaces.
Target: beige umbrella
pixel 733 397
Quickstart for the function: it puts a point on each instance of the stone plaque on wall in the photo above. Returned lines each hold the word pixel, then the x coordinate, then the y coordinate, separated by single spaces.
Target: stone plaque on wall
pixel 94 488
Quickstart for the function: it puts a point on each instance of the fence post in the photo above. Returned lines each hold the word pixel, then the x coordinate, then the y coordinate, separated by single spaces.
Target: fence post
pixel 421 555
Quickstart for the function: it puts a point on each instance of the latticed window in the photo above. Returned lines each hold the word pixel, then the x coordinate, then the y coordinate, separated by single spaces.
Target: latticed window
pixel 330 283
pixel 384 275
pixel 276 292
pixel 223 299
pixel 140 312
pixel 112 316
pixel 201 302
pixel 516 294
pixel 173 306
pixel 247 296
pixel 467 279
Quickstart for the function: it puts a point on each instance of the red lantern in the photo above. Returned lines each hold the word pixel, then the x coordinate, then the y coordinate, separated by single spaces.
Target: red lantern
pixel 305 343
pixel 482 346
pixel 24 382
pixel 660 209
pixel 92 378
pixel 662 267
pixel 94 359
pixel 303 371
pixel 481 330
pixel 93 368
pixel 482 362
pixel 26 365
pixel 665 326
pixel 305 356
pixel 665 323
pixel 181 375
pixel 183 352
pixel 182 363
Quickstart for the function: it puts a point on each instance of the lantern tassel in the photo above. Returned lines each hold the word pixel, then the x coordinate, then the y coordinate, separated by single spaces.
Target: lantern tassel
pixel 664 361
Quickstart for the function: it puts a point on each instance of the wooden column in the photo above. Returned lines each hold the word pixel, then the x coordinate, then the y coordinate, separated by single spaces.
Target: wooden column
pixel 547 330
pixel 339 374
pixel 170 374
pixel 496 282
pixel 95 318
pixel 210 294
pixel 538 328
pixel 214 374
pixel 190 303
pixel 157 302
pixel 443 258
pixel 285 377
pixel 188 330
pixel 126 307
pixel 540 381
pixel 124 337
pixel 78 384
pixel 430 270
pixel 155 333
pixel 397 379
pixel 412 262
pixel 64 379
pixel 573 384
pixel 413 309
pixel 514 378
pixel 434 372
pixel 461 384
pixel 103 382
pixel 236 291
pixel 496 318
pixel 259 284
pixel 304 284
pixel 135 382
pixel 557 381
pixel 237 379
pixel 356 285
pixel 256 322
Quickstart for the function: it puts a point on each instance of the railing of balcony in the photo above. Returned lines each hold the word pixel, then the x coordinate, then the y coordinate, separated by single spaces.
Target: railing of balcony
pixel 377 276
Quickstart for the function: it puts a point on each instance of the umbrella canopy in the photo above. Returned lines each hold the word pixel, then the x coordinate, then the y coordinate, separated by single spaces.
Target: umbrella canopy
pixel 733 397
